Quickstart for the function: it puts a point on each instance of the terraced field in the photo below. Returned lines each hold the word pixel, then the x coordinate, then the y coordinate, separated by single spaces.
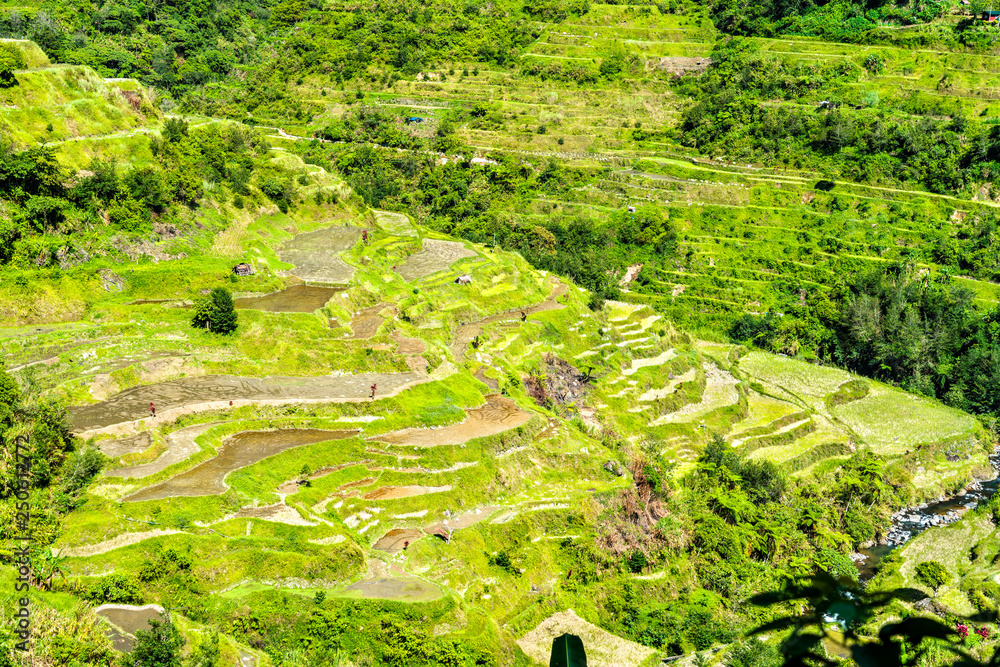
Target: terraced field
pixel 383 441
pixel 744 227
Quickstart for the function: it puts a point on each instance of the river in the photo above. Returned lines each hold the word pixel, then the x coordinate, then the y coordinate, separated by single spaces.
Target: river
pixel 911 521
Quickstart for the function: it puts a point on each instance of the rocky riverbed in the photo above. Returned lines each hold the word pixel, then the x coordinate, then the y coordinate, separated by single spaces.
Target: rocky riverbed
pixel 911 521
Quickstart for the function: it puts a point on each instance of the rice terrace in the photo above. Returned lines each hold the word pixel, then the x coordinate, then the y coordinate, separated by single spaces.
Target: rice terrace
pixel 499 334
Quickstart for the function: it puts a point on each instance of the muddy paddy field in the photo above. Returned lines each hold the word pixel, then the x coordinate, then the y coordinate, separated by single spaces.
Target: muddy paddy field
pixel 186 395
pixel 316 255
pixel 435 256
pixel 238 451
pixel 294 299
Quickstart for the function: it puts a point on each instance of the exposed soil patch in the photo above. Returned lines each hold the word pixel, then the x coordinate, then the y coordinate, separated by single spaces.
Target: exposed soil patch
pixel 397 588
pixel 435 256
pixel 409 345
pixel 180 445
pixel 127 620
pixel 316 255
pixel 417 363
pixel 213 392
pixel 361 482
pixel 366 323
pixel 396 492
pixel 237 451
pixel 294 299
pixel 557 381
pixel 132 444
pixel 680 64
pixel 396 540
pixel 498 415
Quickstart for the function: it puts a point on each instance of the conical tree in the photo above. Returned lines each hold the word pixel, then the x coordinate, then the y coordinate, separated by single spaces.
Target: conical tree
pixel 224 318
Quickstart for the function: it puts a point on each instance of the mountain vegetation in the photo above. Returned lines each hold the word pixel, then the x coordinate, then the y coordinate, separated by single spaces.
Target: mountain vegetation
pixel 411 333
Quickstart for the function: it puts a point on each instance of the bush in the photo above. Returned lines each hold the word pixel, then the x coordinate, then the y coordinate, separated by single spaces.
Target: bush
pixel 116 589
pixel 216 312
pixel 502 560
pixel 128 215
pixel 933 574
pixel 753 653
pixel 637 562
pixel 160 646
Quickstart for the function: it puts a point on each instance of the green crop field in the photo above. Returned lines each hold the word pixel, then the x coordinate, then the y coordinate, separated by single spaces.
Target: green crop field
pixel 420 335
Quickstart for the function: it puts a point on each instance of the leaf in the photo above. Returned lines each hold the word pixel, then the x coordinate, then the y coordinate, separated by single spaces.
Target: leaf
pixel 916 629
pixel 567 651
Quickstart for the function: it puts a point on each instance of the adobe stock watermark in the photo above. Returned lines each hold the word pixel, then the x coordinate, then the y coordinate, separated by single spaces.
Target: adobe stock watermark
pixel 22 534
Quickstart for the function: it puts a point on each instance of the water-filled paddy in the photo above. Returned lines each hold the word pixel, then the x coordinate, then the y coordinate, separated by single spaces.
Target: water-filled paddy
pixel 316 255
pixel 237 451
pixel 129 619
pixel 184 393
pixel 294 299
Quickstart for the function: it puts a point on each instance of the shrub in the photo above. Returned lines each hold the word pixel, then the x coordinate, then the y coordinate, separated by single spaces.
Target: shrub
pixel 160 646
pixel 933 574
pixel 216 312
pixel 115 588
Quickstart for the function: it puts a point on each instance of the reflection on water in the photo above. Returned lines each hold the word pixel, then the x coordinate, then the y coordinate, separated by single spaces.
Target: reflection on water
pixel 295 299
pixel 237 451
pixel 129 619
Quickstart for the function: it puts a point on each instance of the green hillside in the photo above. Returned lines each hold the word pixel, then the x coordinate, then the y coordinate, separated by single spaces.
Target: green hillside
pixel 549 317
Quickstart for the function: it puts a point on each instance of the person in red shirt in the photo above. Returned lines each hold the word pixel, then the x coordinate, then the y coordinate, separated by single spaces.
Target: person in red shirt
pixel 152 409
pixel 373 391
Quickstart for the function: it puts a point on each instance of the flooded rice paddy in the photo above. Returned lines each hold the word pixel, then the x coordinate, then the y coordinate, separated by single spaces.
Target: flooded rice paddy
pixel 237 451
pixel 397 492
pixel 316 255
pixel 294 299
pixel 180 445
pixel 397 539
pixel 435 256
pixel 397 588
pixel 127 619
pixel 190 392
pixel 128 445
pixel 498 415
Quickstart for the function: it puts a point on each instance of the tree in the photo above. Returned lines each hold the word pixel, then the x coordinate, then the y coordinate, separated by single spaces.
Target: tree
pixel 216 312
pixel 933 574
pixel 206 653
pixel 160 646
pixel 203 310
pixel 224 311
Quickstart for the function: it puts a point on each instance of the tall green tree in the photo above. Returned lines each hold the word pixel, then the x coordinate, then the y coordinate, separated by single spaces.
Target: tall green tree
pixel 224 320
pixel 160 646
pixel 216 312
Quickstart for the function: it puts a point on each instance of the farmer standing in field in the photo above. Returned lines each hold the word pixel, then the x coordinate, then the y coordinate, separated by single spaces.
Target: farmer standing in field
pixel 152 409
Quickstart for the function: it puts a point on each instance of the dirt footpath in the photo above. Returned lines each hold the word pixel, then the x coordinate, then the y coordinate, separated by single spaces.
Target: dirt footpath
pixel 214 392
